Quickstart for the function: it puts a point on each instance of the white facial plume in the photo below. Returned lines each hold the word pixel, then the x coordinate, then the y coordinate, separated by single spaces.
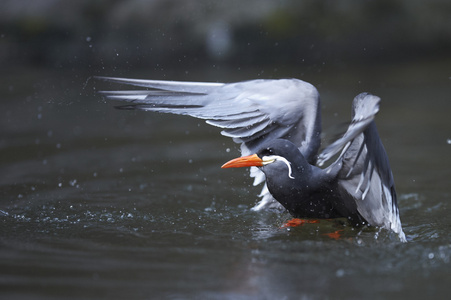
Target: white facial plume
pixel 272 158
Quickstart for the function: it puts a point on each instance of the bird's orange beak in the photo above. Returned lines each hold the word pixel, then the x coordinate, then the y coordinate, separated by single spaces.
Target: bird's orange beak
pixel 244 161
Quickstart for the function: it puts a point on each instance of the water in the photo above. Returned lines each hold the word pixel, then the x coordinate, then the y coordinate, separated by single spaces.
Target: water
pixel 100 203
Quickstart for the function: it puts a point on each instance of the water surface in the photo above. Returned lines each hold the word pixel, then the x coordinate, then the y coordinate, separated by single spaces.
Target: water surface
pixel 100 203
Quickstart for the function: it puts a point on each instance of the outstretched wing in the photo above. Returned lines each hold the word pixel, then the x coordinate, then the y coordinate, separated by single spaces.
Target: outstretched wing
pixel 250 112
pixel 365 176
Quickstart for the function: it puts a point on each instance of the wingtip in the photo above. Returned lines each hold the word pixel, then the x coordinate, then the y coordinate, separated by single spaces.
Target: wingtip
pixel 115 79
pixel 105 78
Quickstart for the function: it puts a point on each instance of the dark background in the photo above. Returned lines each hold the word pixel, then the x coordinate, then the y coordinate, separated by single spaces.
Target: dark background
pixel 311 34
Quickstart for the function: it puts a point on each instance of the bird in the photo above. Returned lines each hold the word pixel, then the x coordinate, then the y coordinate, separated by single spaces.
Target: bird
pixel 277 123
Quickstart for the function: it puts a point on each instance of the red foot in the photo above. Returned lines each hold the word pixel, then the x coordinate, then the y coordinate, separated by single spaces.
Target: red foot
pixel 298 222
pixel 334 235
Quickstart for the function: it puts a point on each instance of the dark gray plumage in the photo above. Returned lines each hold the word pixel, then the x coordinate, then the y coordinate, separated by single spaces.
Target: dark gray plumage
pixel 258 111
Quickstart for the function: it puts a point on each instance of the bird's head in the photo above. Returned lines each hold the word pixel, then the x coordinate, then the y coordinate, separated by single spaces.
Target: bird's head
pixel 277 159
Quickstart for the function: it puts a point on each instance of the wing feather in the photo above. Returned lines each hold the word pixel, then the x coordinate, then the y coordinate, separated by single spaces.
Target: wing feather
pixel 365 177
pixel 250 112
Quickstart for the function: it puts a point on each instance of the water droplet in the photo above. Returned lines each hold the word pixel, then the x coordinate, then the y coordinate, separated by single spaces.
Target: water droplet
pixel 340 273
pixel 431 255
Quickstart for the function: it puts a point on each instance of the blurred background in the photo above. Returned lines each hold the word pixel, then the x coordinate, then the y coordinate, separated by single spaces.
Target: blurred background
pixel 97 203
pixel 126 35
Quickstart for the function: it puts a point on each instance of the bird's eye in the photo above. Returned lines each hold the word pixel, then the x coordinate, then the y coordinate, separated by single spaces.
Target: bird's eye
pixel 267 152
